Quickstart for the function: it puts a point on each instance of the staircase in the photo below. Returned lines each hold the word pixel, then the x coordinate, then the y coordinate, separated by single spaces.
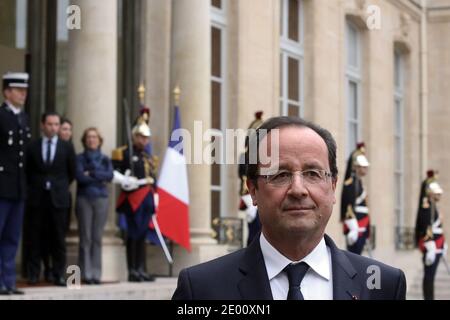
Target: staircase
pixel 161 289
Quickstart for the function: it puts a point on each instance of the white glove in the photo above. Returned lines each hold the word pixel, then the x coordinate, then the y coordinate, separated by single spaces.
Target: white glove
pixel 130 184
pixel 430 255
pixel 251 209
pixel 127 182
pixel 352 235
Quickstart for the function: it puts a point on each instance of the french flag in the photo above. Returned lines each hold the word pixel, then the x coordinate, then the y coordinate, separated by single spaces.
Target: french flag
pixel 173 209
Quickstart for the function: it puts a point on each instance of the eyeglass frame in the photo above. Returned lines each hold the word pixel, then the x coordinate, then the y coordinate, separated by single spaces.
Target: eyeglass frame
pixel 326 174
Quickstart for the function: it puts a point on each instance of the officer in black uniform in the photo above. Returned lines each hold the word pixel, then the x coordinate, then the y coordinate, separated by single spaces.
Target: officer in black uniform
pixel 246 202
pixel 354 209
pixel 138 198
pixel 14 136
pixel 429 232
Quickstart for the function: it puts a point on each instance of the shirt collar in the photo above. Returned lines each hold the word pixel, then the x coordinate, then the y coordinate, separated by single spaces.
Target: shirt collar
pixel 54 139
pixel 276 262
pixel 13 108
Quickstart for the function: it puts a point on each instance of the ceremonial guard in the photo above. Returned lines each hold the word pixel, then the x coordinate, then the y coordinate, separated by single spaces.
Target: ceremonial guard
pixel 14 136
pixel 429 232
pixel 354 209
pixel 246 202
pixel 135 171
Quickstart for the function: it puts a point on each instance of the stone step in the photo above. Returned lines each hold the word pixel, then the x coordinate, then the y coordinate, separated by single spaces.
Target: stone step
pixel 161 289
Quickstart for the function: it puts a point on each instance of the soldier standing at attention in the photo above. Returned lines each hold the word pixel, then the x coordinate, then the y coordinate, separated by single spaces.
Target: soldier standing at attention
pixel 429 232
pixel 14 136
pixel 354 209
pixel 245 204
pixel 135 171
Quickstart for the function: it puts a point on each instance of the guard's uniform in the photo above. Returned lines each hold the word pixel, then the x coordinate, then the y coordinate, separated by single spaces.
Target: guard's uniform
pixel 138 207
pixel 245 203
pixel 14 136
pixel 429 233
pixel 354 209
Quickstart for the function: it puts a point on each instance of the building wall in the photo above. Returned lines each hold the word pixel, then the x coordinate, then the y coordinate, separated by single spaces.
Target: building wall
pixel 438 101
pixel 257 87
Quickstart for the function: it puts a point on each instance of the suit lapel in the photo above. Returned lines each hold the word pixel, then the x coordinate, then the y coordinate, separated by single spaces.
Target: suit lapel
pixel 344 285
pixel 254 284
pixel 38 151
pixel 57 151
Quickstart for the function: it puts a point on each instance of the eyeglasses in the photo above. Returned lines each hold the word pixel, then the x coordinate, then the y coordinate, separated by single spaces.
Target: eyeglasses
pixel 284 178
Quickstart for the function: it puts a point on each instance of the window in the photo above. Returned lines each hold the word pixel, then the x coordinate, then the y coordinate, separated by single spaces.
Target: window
pixel 398 138
pixel 291 59
pixel 353 87
pixel 218 103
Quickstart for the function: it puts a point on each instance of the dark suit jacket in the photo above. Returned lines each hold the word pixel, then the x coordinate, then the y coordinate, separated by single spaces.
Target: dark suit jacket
pixel 60 174
pixel 243 275
pixel 14 136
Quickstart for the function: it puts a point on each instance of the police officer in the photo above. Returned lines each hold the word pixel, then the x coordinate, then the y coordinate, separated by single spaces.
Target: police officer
pixel 429 231
pixel 354 210
pixel 138 199
pixel 246 203
pixel 14 136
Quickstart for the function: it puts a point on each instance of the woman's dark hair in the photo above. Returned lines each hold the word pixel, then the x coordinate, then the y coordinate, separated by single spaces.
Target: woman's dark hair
pixel 282 122
pixel 85 133
pixel 65 120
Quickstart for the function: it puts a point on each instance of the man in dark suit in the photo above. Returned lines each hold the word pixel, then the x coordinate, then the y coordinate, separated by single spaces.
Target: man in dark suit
pixel 292 258
pixel 50 170
pixel 14 136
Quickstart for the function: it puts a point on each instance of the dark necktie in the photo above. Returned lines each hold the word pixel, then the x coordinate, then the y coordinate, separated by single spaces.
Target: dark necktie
pixel 296 273
pixel 48 160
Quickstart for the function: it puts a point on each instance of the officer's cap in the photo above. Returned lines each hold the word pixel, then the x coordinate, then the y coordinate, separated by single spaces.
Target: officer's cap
pixel 15 80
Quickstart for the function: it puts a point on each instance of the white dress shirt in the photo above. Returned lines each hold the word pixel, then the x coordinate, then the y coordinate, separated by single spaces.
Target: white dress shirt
pixel 318 281
pixel 15 110
pixel 52 150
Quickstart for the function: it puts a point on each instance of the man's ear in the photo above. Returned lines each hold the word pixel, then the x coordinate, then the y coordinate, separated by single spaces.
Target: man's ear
pixel 333 186
pixel 251 185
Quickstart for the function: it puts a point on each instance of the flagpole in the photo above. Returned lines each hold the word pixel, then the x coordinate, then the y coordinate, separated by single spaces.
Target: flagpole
pixel 161 240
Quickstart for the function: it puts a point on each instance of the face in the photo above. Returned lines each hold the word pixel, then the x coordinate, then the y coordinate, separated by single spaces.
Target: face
pixel 51 126
pixel 16 96
pixel 361 171
pixel 140 141
pixel 435 197
pixel 65 131
pixel 296 209
pixel 92 140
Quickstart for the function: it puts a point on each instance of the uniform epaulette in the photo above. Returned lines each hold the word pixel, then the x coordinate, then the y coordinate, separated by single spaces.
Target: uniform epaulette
pixel 349 181
pixel 117 154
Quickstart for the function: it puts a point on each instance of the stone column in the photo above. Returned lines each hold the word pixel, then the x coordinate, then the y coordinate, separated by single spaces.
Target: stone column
pixel 190 69
pixel 92 101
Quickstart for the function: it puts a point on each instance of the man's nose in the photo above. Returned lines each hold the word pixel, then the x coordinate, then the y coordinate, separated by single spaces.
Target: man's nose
pixel 297 187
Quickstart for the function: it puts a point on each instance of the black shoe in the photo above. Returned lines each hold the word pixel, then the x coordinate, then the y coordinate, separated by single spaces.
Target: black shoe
pixel 88 281
pixel 49 277
pixel 33 280
pixel 133 276
pixel 96 281
pixel 146 277
pixel 15 291
pixel 4 291
pixel 60 282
